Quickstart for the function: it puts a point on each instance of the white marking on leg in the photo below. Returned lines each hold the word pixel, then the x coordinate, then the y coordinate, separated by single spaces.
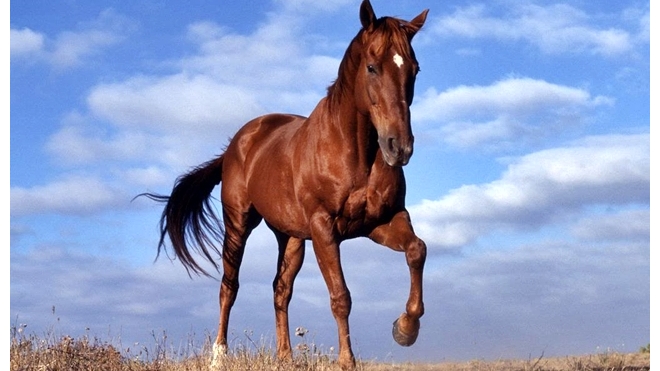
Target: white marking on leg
pixel 398 60
pixel 219 354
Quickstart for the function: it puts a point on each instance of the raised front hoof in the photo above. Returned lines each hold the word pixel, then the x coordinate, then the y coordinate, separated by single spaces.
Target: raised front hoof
pixel 405 330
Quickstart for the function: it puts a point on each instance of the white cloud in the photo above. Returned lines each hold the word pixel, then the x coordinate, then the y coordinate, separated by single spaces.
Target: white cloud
pixel 160 118
pixel 540 188
pixel 625 225
pixel 148 177
pixel 73 195
pixel 557 28
pixel 517 95
pixel 26 42
pixel 232 79
pixel 72 48
pixel 173 104
pixel 274 57
pixel 82 144
pixel 80 141
pixel 515 109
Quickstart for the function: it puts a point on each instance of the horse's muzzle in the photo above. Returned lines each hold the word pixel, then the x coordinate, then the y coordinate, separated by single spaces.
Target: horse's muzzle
pixel 395 151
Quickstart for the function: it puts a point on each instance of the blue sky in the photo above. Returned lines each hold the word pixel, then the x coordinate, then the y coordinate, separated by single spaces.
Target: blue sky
pixel 530 180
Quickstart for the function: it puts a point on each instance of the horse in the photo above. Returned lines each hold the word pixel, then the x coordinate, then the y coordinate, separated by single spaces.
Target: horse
pixel 335 175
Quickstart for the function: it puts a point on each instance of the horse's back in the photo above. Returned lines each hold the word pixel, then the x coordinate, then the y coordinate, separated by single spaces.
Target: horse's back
pixel 262 134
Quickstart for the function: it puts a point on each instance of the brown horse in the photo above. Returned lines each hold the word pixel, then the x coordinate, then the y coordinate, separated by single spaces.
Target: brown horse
pixel 330 177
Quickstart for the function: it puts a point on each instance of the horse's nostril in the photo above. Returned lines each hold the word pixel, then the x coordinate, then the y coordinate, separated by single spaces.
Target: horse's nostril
pixel 393 146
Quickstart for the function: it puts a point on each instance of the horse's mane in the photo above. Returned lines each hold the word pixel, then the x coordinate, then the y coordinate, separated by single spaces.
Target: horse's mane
pixel 388 32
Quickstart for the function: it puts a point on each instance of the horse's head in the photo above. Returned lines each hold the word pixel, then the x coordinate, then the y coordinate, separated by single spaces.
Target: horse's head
pixel 385 80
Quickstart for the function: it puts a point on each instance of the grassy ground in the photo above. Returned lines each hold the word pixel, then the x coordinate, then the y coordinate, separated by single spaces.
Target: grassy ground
pixel 30 352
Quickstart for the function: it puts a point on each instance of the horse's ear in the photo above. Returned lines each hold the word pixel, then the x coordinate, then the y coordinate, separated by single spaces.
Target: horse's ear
pixel 367 15
pixel 418 22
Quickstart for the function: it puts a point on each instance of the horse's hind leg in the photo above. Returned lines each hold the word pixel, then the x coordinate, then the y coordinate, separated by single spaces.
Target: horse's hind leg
pixel 398 235
pixel 289 262
pixel 238 226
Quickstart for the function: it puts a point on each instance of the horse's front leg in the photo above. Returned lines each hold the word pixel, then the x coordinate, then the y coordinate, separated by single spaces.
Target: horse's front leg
pixel 398 235
pixel 326 249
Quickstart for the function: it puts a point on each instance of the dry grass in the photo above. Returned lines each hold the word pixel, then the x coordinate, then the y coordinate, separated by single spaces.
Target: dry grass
pixel 600 362
pixel 52 353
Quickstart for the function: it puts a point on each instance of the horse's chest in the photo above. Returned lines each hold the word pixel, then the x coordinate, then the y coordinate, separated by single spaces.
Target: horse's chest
pixel 369 205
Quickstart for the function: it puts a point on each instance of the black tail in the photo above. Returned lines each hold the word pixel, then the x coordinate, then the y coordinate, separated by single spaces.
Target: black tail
pixel 188 218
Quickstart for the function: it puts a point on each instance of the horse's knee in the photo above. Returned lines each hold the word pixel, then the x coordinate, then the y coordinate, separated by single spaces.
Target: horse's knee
pixel 416 254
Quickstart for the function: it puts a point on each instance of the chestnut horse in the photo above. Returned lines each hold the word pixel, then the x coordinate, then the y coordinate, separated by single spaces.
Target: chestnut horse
pixel 333 176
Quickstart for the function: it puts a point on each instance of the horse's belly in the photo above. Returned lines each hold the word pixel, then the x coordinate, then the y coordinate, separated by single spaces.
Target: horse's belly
pixel 285 217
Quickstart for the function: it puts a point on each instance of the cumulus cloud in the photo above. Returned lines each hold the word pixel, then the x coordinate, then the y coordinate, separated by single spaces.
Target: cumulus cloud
pixel 147 177
pixel 539 188
pixel 176 104
pixel 82 141
pixel 277 55
pixel 72 48
pixel 159 118
pixel 557 28
pixel 231 79
pixel 516 109
pixel 25 42
pixel 625 225
pixel 75 195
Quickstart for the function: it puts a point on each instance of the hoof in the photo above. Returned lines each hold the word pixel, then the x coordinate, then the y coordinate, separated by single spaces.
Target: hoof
pixel 405 330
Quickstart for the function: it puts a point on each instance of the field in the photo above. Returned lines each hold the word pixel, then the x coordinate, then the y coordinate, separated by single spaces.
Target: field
pixel 31 352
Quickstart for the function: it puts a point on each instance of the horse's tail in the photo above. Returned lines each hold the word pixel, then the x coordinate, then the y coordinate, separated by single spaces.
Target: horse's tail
pixel 189 219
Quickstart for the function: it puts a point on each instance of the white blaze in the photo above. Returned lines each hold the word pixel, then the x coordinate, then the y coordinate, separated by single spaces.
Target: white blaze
pixel 398 60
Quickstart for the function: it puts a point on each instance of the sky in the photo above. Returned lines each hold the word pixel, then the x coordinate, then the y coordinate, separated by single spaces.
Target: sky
pixel 530 180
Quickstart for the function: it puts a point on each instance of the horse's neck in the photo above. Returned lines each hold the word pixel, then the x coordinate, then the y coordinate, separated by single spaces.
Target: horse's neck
pixel 338 114
pixel 367 139
pixel 353 133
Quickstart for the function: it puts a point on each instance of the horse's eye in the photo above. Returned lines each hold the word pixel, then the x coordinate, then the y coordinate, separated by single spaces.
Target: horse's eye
pixel 371 68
